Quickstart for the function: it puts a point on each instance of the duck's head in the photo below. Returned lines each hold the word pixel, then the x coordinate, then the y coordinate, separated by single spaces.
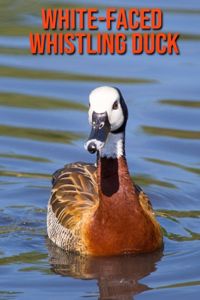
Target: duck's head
pixel 107 114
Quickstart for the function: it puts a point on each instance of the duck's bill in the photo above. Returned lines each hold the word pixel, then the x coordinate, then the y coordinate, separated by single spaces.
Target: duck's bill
pixel 99 132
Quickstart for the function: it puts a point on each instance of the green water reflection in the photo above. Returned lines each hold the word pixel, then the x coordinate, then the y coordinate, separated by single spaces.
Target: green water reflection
pixel 181 284
pixel 27 257
pixel 168 163
pixel 179 238
pixel 39 74
pixel 175 133
pixel 24 157
pixel 174 216
pixel 185 103
pixel 26 101
pixel 24 174
pixel 145 180
pixel 180 214
pixel 15 51
pixel 9 293
pixel 41 134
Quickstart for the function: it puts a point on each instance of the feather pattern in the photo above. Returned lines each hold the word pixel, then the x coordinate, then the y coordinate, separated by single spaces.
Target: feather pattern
pixel 74 196
pixel 74 191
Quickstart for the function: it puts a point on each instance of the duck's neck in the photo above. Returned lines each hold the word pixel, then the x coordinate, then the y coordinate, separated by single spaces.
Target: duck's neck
pixel 114 182
pixel 114 146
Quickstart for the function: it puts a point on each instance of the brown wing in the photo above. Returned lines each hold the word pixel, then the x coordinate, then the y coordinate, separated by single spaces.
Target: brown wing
pixel 74 192
pixel 143 199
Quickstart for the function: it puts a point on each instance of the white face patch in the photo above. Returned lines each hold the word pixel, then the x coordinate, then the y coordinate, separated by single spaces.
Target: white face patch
pixel 102 100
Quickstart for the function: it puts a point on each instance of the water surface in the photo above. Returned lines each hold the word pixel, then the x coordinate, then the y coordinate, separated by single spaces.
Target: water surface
pixel 43 125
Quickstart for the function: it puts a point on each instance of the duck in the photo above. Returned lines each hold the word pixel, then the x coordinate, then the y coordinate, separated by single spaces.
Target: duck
pixel 96 209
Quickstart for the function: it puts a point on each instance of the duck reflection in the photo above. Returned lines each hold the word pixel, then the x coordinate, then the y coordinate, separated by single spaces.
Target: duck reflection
pixel 118 276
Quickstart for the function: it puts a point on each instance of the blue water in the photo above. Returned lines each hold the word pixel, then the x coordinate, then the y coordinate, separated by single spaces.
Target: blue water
pixel 44 125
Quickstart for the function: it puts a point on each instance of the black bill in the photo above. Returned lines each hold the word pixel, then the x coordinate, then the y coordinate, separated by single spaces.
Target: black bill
pixel 99 132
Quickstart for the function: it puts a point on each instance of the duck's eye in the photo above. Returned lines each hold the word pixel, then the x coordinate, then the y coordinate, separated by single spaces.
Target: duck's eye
pixel 115 105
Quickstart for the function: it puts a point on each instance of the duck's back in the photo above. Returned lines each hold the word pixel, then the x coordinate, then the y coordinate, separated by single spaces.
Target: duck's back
pixel 74 195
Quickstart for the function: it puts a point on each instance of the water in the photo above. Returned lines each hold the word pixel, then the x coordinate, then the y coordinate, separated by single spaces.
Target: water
pixel 43 125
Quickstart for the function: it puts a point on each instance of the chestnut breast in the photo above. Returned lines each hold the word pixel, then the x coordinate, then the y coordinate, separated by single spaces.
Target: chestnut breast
pixel 119 224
